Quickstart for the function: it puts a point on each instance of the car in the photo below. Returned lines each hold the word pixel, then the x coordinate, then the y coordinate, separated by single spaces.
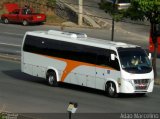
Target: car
pixel 23 15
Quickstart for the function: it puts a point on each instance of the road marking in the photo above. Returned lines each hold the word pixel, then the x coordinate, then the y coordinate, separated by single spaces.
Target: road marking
pixel 8 44
pixel 6 56
pixel 8 33
pixel 18 51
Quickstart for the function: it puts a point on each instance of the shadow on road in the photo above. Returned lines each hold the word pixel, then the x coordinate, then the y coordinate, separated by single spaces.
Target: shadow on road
pixel 95 91
pixel 18 75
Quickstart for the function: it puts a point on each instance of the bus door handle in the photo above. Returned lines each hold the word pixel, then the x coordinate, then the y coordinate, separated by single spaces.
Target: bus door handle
pixel 108 71
pixel 102 74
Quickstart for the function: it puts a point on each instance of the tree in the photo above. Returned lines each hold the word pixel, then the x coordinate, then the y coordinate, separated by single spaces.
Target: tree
pixel 142 10
pixel 147 10
pixel 112 7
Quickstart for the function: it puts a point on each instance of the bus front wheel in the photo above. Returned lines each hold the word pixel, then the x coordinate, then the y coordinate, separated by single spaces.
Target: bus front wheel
pixel 111 90
pixel 52 79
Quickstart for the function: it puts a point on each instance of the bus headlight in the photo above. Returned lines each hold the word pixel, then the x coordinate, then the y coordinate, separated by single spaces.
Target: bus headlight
pixel 119 81
pixel 130 81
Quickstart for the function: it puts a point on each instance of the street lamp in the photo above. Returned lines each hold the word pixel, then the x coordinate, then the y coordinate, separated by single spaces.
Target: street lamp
pixel 72 108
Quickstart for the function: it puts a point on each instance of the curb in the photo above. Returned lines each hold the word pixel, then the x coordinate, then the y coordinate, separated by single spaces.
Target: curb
pixel 61 25
pixel 157 81
pixel 10 115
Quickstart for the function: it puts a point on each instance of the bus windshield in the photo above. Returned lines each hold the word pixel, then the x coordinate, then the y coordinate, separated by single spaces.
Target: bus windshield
pixel 134 60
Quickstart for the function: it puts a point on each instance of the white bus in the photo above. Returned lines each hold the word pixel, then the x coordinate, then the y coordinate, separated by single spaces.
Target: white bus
pixel 74 58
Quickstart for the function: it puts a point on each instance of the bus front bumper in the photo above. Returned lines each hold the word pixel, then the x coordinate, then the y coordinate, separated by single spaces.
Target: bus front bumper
pixel 132 86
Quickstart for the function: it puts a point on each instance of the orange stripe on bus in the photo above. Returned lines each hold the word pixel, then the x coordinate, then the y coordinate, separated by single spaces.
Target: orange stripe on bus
pixel 71 65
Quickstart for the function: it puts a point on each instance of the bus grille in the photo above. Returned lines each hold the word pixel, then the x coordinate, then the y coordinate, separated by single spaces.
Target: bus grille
pixel 141 84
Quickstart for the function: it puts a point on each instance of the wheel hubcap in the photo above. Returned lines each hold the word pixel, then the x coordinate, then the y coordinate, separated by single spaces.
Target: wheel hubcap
pixel 6 20
pixel 51 80
pixel 24 22
pixel 111 89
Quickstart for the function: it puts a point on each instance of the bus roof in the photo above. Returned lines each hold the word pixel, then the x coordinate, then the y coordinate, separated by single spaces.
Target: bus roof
pixel 79 38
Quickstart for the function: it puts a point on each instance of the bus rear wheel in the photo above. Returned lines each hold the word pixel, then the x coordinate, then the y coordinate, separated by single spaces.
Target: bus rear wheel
pixel 111 90
pixel 52 79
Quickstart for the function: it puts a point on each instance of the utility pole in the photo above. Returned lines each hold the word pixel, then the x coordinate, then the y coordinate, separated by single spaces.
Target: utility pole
pixel 80 13
pixel 112 35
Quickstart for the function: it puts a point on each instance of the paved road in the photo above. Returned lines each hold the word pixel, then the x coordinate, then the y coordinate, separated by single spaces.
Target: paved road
pixel 23 93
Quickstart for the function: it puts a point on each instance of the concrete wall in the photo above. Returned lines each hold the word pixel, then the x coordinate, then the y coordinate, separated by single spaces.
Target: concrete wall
pixel 66 12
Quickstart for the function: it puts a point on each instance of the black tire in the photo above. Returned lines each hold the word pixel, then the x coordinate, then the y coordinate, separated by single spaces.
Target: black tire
pixel 52 79
pixel 25 22
pixel 5 20
pixel 111 90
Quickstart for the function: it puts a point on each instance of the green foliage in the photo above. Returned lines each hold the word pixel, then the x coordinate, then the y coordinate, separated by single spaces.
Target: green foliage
pixel 107 6
pixel 144 9
pixel 2 116
pixel 51 3
pixel 138 10
pixel 112 9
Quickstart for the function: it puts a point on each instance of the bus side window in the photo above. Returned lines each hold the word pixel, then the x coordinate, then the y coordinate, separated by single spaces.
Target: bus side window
pixel 115 64
pixel 102 60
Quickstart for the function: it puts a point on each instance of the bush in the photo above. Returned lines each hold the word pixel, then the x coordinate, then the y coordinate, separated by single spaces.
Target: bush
pixel 51 3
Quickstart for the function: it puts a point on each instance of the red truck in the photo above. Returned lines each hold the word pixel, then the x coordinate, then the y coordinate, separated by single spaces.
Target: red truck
pixel 151 46
pixel 24 16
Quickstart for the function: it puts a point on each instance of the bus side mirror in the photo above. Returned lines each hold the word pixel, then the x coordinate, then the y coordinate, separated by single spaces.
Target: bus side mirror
pixel 113 57
pixel 150 56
